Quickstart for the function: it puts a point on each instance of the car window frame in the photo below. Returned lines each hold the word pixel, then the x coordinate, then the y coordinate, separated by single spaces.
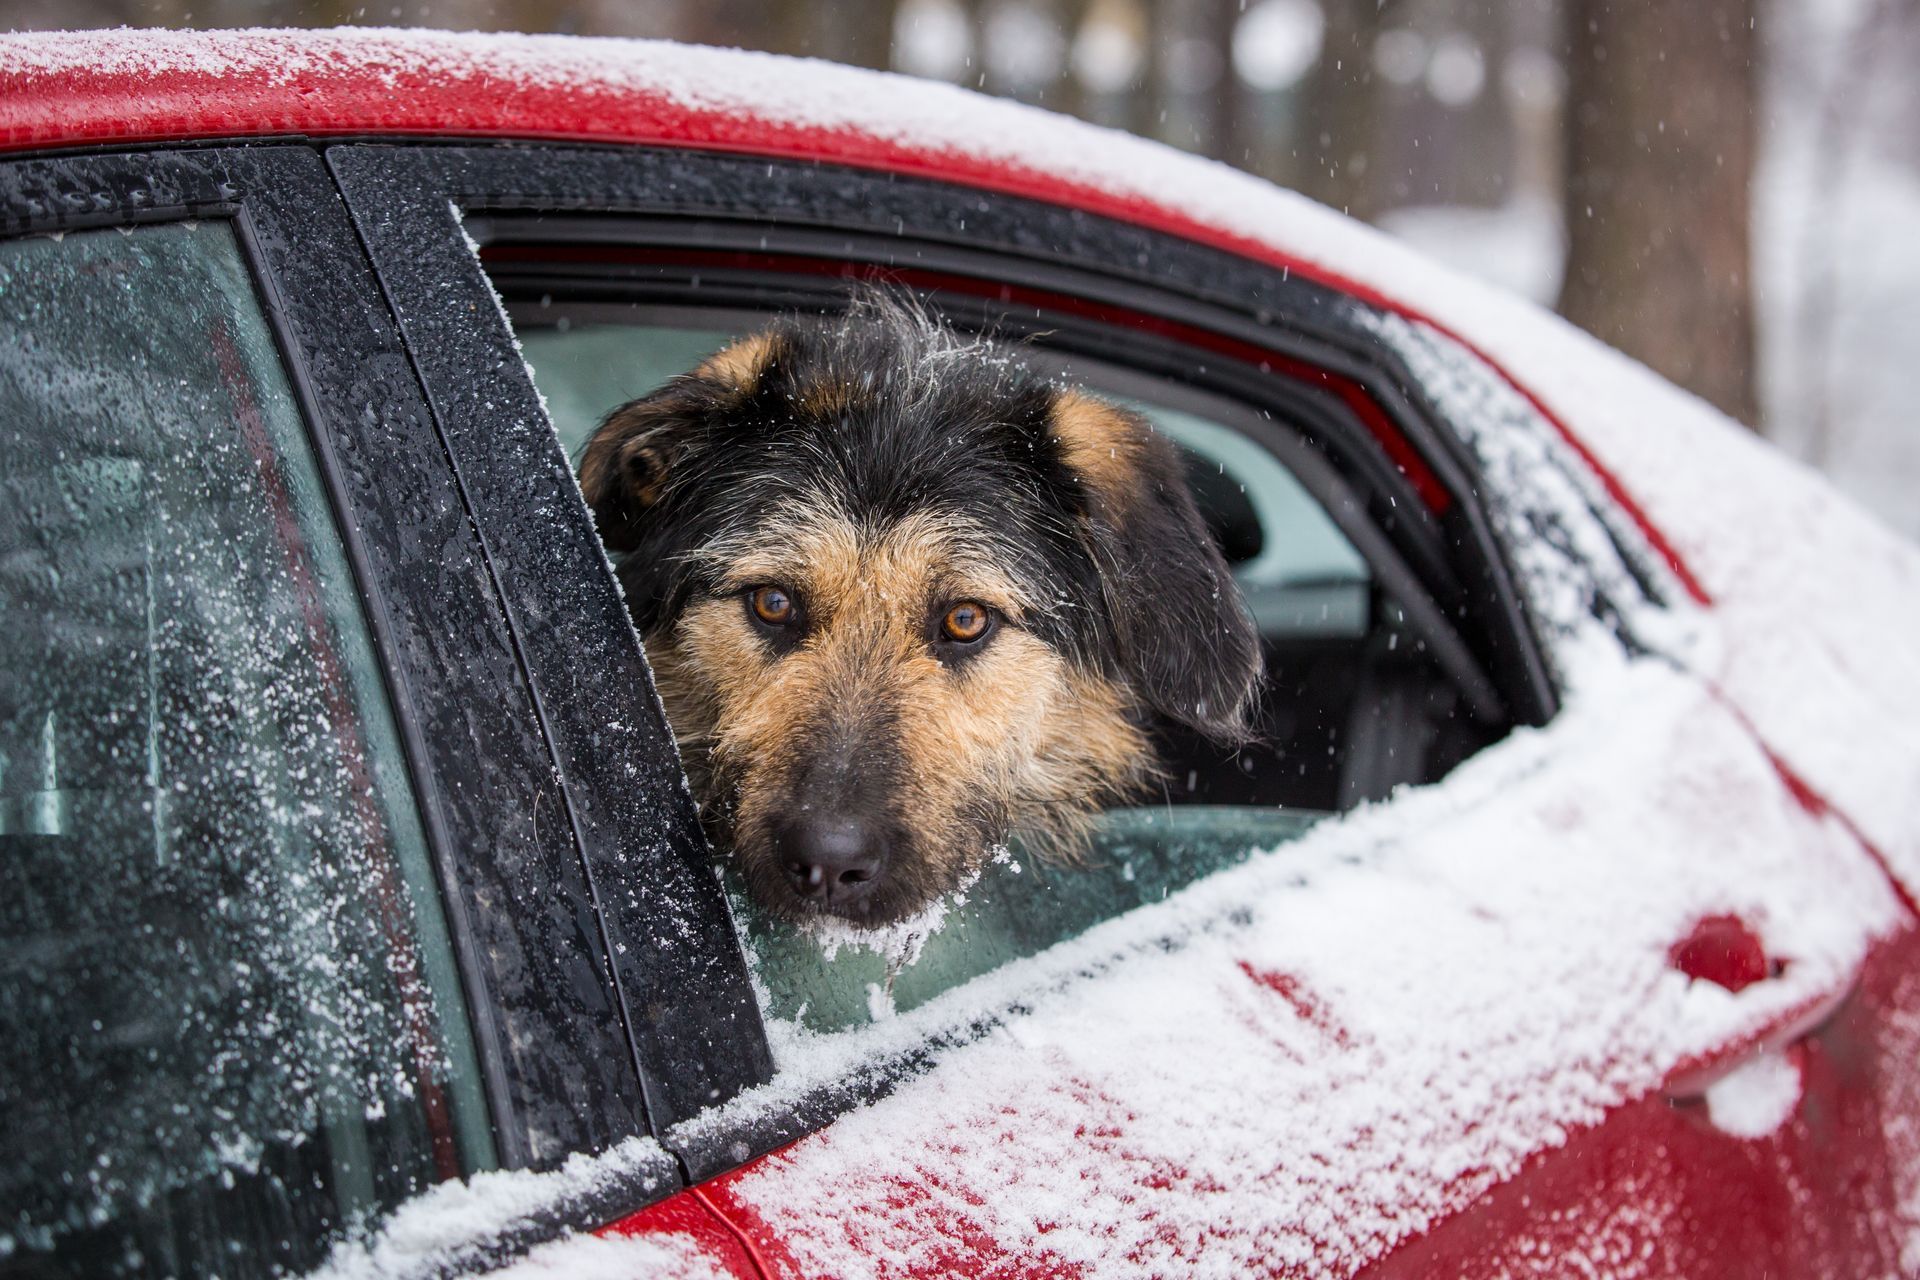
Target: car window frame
pixel 426 208
pixel 425 592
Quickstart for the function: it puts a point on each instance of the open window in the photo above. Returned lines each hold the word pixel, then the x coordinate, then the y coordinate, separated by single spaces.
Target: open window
pixel 1392 620
pixel 1369 686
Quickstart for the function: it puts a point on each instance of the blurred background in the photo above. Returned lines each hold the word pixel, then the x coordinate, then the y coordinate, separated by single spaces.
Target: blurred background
pixel 1728 190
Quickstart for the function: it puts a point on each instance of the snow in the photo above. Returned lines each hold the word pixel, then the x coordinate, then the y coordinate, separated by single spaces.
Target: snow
pixel 1757 1097
pixel 456 1224
pixel 1313 1056
pixel 932 38
pixel 1837 264
pixel 1328 1049
pixel 1519 247
pixel 656 1257
pixel 1809 590
pixel 1278 42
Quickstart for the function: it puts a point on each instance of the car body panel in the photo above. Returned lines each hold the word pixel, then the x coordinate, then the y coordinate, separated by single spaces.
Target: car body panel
pixel 130 87
pixel 1298 1067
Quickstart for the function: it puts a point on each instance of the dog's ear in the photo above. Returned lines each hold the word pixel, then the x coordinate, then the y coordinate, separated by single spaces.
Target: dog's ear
pixel 630 458
pixel 1180 628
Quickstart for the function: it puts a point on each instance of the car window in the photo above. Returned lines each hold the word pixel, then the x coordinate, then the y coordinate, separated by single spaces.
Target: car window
pixel 230 1027
pixel 1335 652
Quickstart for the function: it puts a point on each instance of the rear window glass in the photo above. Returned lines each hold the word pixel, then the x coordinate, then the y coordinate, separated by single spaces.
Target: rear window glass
pixel 230 1028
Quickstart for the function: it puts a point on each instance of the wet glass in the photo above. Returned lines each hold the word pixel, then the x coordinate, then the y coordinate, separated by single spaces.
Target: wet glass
pixel 230 1026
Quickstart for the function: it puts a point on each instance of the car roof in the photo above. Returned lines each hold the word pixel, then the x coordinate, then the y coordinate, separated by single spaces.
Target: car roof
pixel 83 89
pixel 68 90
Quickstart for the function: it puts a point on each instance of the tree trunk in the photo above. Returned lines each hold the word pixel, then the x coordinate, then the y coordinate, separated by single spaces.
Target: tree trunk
pixel 1335 130
pixel 1149 105
pixel 1660 149
pixel 1226 125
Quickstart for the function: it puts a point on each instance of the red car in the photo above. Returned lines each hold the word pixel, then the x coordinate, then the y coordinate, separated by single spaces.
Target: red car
pixel 356 914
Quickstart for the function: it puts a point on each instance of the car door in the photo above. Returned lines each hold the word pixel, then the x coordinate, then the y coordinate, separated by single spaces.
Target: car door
pixel 1374 1038
pixel 298 925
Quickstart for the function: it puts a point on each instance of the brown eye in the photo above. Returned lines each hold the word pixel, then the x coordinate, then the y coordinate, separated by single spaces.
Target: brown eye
pixel 965 623
pixel 772 606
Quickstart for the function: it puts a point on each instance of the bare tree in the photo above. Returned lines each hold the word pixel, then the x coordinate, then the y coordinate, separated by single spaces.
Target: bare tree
pixel 1226 125
pixel 1149 101
pixel 1660 151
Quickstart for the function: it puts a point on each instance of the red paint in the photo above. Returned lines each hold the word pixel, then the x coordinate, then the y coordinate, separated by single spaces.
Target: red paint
pixel 375 90
pixel 1302 1001
pixel 955 1247
pixel 688 1214
pixel 1653 1191
pixel 1820 807
pixel 1657 1191
pixel 1379 424
pixel 1721 949
pixel 748 1245
pixel 1655 1186
pixel 1809 798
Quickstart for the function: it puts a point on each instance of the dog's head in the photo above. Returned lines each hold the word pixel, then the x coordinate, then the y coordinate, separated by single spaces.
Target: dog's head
pixel 902 597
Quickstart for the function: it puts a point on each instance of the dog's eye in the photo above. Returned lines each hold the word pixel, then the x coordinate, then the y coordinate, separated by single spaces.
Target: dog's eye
pixel 966 622
pixel 772 606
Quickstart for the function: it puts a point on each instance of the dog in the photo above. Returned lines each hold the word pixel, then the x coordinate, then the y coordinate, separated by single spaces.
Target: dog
pixel 903 597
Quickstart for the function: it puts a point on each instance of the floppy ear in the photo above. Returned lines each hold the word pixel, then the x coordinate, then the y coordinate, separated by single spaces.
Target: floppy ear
pixel 1179 626
pixel 629 460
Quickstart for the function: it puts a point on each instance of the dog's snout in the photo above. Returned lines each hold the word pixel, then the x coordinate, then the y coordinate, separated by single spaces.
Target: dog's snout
pixel 835 861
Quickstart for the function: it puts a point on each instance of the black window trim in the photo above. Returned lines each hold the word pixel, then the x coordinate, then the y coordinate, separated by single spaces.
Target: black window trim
pixel 688 1020
pixel 399 516
pixel 421 208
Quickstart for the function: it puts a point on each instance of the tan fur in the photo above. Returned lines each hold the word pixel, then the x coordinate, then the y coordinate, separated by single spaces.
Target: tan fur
pixel 817 550
pixel 741 365
pixel 1015 729
pixel 1101 443
pixel 828 398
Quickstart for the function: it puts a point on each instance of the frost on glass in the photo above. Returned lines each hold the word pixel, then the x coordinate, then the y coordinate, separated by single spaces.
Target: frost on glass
pixel 229 1028
pixel 1583 568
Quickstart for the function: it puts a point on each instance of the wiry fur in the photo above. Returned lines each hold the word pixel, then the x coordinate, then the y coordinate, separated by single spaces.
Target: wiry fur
pixel 880 469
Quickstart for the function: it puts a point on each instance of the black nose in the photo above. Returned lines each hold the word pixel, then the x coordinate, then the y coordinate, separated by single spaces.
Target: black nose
pixel 832 860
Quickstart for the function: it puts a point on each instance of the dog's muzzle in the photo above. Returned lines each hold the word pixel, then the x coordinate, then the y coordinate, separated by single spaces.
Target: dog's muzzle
pixel 835 862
